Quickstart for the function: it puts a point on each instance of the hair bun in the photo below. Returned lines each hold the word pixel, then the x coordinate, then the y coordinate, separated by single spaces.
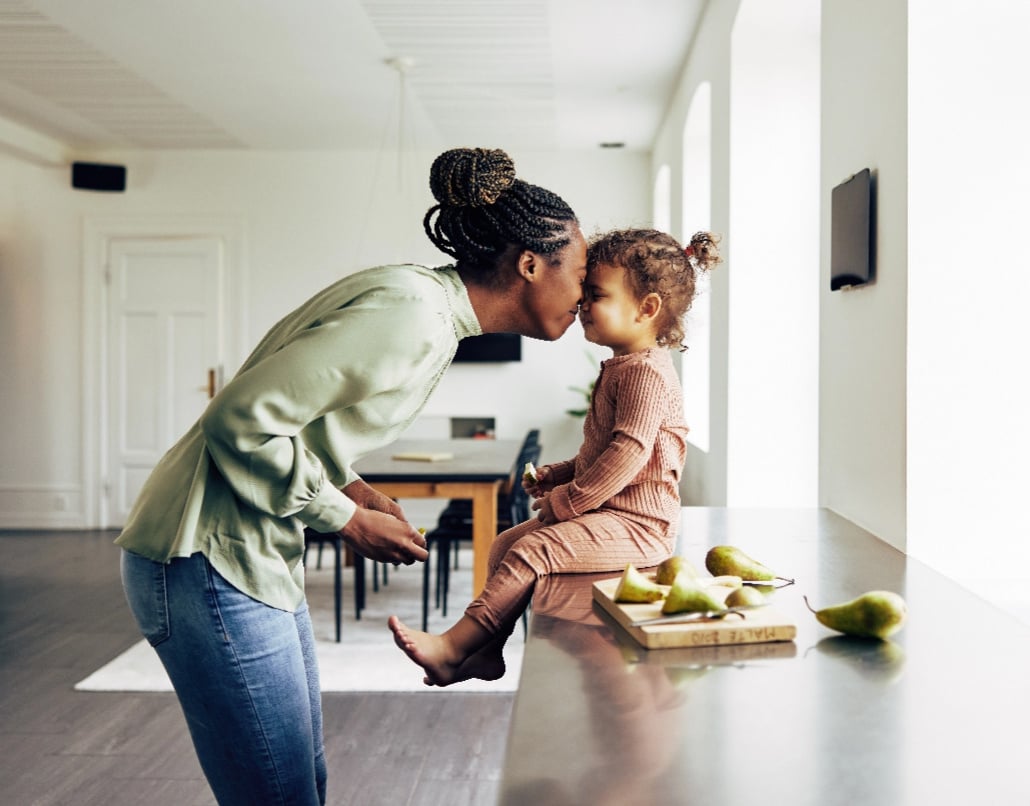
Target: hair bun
pixel 471 177
pixel 703 249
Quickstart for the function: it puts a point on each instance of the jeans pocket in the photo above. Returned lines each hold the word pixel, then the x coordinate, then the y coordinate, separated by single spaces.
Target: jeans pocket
pixel 146 591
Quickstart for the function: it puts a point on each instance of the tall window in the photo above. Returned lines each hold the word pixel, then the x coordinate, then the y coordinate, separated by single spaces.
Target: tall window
pixel 771 275
pixel 697 215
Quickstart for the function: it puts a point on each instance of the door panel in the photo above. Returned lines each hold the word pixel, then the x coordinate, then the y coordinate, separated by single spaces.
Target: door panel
pixel 165 308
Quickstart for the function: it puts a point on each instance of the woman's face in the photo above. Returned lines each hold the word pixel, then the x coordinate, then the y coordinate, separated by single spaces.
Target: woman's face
pixel 554 301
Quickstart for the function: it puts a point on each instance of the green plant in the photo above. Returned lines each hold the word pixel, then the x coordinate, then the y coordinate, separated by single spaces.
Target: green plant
pixel 586 391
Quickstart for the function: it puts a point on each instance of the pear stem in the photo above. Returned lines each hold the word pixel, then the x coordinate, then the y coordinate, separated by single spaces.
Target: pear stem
pixel 803 596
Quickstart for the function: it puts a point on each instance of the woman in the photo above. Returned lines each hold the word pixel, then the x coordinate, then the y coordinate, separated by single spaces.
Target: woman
pixel 211 559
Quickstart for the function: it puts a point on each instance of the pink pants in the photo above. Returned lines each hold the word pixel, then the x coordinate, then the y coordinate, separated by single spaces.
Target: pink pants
pixel 592 543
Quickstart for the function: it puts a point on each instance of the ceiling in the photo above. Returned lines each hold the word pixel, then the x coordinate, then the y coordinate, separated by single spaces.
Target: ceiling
pixel 316 74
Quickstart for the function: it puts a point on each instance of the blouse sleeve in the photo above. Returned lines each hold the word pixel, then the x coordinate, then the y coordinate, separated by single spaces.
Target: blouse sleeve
pixel 253 426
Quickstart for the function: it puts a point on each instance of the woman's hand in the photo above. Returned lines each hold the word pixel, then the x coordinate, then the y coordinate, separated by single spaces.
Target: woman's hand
pixel 368 497
pixel 384 538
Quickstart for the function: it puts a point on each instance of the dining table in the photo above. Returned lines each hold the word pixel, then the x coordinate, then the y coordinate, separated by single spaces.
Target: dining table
pixel 467 468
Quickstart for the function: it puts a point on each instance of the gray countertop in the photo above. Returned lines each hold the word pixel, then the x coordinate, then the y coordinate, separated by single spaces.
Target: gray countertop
pixel 938 714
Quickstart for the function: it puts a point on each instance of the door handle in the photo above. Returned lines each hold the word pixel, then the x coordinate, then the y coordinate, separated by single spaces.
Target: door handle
pixel 214 382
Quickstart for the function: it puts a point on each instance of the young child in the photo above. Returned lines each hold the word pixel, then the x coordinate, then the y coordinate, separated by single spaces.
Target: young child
pixel 618 500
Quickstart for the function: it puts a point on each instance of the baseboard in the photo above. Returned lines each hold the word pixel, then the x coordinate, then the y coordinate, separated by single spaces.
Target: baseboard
pixel 42 506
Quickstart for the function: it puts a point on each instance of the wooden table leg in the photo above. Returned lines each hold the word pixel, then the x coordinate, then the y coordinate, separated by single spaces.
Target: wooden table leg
pixel 484 530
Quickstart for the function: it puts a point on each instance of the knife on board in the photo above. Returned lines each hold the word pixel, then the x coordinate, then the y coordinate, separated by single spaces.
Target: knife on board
pixel 697 615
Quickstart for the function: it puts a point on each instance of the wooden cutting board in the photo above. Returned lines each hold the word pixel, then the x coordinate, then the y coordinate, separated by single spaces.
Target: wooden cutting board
pixel 757 626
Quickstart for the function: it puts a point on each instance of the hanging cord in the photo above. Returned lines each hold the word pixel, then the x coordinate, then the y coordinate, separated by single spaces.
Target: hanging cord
pixel 397 113
pixel 406 159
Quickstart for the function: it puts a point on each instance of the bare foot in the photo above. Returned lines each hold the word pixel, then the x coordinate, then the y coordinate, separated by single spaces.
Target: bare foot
pixel 486 664
pixel 432 652
pixel 441 661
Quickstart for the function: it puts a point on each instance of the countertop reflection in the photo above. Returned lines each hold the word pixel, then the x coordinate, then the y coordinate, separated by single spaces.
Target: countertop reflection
pixel 939 713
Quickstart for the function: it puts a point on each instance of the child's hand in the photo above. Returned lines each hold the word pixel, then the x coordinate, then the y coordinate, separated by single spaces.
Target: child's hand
pixel 541 485
pixel 543 507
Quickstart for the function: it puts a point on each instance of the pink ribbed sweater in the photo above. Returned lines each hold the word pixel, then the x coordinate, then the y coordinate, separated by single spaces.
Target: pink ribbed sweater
pixel 617 501
pixel 634 443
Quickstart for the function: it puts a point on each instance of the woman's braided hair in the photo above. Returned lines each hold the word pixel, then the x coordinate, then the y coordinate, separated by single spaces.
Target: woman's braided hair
pixel 655 262
pixel 484 209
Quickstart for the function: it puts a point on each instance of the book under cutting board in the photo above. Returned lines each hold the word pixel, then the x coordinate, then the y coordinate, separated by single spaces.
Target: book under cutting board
pixel 761 625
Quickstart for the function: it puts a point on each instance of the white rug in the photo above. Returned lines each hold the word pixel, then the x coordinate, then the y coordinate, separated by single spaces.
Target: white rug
pixel 366 658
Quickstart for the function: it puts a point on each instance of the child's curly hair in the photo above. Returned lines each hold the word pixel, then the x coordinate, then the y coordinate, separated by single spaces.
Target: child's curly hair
pixel 655 262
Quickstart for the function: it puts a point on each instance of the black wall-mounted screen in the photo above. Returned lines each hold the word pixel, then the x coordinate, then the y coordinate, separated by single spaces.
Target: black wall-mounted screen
pixel 490 347
pixel 852 232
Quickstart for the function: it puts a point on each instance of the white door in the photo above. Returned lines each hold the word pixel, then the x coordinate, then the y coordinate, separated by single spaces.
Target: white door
pixel 164 354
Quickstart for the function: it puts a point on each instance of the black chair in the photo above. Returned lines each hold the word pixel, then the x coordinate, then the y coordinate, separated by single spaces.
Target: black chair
pixel 455 524
pixel 333 539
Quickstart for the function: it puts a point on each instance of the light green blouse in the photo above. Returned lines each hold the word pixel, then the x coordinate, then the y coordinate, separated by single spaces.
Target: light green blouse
pixel 343 374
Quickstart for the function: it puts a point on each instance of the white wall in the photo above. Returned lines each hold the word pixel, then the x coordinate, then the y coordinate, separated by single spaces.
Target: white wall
pixel 862 371
pixel 969 286
pixel 40 360
pixel 306 219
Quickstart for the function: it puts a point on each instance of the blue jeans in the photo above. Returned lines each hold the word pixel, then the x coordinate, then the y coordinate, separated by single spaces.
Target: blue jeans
pixel 245 674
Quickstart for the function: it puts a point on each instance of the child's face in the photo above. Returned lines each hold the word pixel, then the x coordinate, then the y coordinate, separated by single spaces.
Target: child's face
pixel 611 315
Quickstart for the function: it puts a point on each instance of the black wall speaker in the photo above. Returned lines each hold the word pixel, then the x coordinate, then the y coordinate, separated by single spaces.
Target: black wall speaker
pixel 96 176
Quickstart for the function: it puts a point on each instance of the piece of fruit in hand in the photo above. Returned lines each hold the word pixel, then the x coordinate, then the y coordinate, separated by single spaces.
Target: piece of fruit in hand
pixel 529 473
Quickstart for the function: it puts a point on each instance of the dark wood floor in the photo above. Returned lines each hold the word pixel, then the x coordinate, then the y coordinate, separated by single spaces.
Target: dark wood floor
pixel 62 615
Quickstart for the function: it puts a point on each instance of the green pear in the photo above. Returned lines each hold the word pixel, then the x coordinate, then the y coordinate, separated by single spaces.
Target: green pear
pixel 688 596
pixel 635 587
pixel 722 560
pixel 668 569
pixel 875 614
pixel 744 596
